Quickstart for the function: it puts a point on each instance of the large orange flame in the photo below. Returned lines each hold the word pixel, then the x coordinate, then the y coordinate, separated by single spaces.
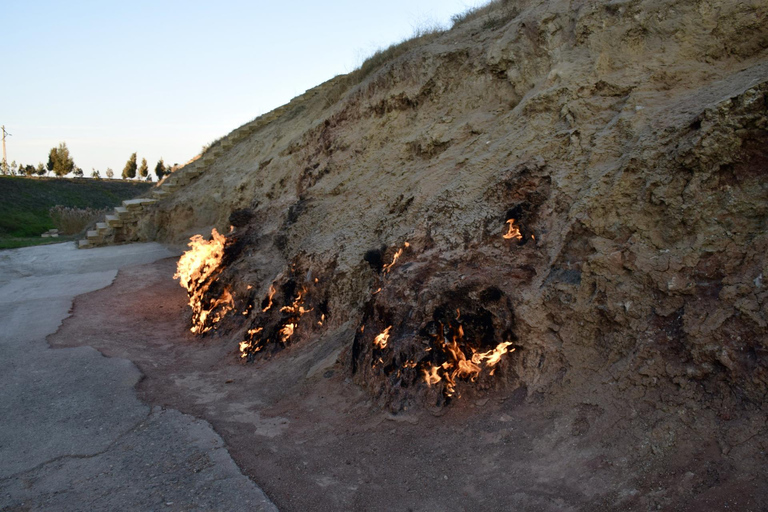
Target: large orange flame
pixel 197 271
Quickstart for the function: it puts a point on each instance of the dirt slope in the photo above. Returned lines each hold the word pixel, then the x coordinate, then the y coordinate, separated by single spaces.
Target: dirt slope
pixel 628 143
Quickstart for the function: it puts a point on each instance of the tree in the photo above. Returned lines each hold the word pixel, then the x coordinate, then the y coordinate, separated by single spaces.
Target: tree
pixel 160 170
pixel 59 160
pixel 129 171
pixel 13 168
pixel 28 170
pixel 78 172
pixel 95 174
pixel 40 169
pixel 110 173
pixel 143 169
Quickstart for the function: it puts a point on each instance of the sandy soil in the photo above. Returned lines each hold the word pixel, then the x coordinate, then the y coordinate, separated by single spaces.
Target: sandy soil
pixel 314 441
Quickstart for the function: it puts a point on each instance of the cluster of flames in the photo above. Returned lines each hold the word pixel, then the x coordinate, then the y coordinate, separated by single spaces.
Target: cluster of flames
pixel 459 360
pixel 293 313
pixel 197 271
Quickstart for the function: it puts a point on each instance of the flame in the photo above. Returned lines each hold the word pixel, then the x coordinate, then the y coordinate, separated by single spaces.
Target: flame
pixel 296 307
pixel 287 331
pixel 196 271
pixel 457 364
pixel 514 231
pixel 431 376
pixel 381 340
pixel 397 255
pixel 492 357
pixel 269 298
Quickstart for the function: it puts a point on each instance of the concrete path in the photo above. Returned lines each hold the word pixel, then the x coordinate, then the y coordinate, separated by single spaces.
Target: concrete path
pixel 73 435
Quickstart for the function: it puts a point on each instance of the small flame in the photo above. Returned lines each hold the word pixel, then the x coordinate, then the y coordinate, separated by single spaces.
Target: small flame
pixel 431 377
pixel 514 231
pixel 296 307
pixel 269 298
pixel 287 331
pixel 492 357
pixel 397 255
pixel 382 339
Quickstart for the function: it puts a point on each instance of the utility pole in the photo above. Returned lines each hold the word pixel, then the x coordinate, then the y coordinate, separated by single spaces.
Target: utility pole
pixel 5 160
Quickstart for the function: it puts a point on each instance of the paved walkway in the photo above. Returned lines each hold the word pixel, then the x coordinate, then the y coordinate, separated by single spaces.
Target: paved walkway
pixel 73 434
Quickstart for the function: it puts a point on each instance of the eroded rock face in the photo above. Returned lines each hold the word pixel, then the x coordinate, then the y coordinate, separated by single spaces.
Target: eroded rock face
pixel 629 143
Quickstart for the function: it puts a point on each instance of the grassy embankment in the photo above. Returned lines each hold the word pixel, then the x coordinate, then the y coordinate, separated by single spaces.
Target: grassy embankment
pixel 25 204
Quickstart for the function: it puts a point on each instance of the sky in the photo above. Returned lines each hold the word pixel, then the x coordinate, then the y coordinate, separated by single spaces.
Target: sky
pixel 163 78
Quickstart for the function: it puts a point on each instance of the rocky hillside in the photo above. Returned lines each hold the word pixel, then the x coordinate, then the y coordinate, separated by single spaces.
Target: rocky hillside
pixel 581 185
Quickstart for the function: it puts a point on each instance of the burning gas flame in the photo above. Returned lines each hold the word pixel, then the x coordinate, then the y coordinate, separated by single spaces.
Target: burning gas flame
pixel 381 340
pixel 196 271
pixel 458 365
pixel 296 307
pixel 514 231
pixel 269 298
pixel 287 331
pixel 397 255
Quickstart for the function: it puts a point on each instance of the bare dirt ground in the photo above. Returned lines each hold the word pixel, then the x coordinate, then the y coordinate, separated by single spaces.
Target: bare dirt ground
pixel 313 440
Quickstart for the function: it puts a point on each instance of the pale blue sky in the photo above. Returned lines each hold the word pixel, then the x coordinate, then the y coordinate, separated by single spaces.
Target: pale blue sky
pixel 164 77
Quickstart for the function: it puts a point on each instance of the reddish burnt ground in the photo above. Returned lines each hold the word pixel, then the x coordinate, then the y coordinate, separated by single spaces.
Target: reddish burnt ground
pixel 313 440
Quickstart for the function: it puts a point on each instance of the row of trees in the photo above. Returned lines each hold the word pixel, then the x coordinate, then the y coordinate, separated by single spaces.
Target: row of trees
pixel 131 169
pixel 61 163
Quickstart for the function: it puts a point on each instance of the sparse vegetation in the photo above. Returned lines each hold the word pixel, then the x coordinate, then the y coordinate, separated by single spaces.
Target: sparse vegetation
pixel 496 14
pixel 71 221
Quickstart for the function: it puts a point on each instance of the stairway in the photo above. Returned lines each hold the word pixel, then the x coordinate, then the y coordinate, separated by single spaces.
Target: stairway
pixel 121 225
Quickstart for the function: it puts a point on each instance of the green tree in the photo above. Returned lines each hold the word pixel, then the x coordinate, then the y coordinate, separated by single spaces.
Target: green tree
pixel 40 169
pixel 110 173
pixel 160 170
pixel 59 160
pixel 29 170
pixel 129 171
pixel 143 168
pixel 78 172
pixel 95 174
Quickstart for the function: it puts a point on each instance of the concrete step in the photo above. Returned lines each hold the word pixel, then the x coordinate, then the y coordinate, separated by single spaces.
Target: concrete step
pixel 84 244
pixel 132 205
pixel 138 204
pixel 114 221
pixel 103 228
pixel 93 235
pixel 123 214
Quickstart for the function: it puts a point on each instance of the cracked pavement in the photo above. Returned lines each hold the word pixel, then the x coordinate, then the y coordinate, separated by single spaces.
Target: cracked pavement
pixel 73 434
